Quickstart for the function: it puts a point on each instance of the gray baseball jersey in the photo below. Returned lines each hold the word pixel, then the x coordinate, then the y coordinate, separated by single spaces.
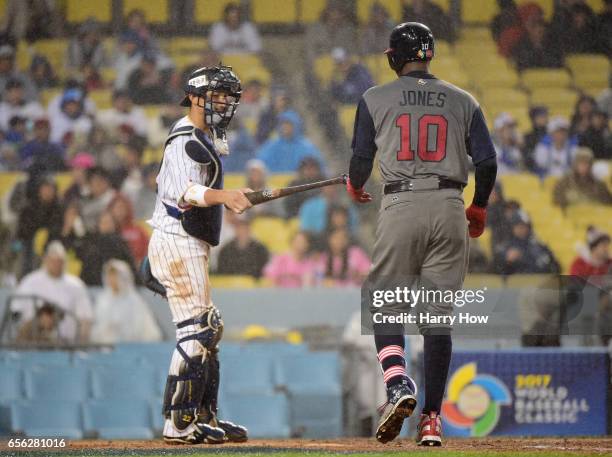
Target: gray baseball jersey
pixel 421 128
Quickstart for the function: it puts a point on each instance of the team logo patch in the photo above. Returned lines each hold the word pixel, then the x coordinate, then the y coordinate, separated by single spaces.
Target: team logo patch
pixel 429 53
pixel 420 54
pixel 394 198
pixel 422 82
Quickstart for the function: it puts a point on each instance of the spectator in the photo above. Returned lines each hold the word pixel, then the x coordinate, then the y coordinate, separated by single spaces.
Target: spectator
pixel 345 264
pixel 242 255
pixel 43 328
pixel 284 154
pixel 478 262
pixel 511 35
pixel 534 50
pixel 256 179
pixel 103 147
pixel 43 211
pixel 579 185
pixel 123 112
pixel 296 268
pixel 234 35
pixel 597 137
pixel 136 24
pixel 555 153
pixel 604 27
pixel 8 72
pixel 562 19
pixel 581 119
pixel 507 142
pixel 145 200
pixel 375 33
pixel 122 316
pixel 507 18
pixel 41 150
pixel 42 73
pixel 32 20
pixel 604 100
pixel 241 145
pixel 85 49
pixel 539 121
pixel 351 79
pixel 427 12
pixel 98 247
pixel 148 84
pixel 268 120
pixel 14 104
pixel 53 285
pixel 133 234
pixel 101 196
pixel 71 121
pixel 594 258
pixel 54 107
pixel 132 165
pixel 523 253
pixel 79 189
pixel 314 213
pixel 17 130
pixel 544 306
pixel 127 58
pixel 253 102
pixel 308 171
pixel 335 28
pixel 581 36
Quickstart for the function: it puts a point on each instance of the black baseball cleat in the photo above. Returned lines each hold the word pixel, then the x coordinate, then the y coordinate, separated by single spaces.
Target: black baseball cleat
pixel 202 434
pixel 233 433
pixel 401 401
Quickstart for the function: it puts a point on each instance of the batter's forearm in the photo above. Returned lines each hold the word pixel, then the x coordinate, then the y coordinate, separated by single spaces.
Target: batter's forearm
pixel 486 172
pixel 360 170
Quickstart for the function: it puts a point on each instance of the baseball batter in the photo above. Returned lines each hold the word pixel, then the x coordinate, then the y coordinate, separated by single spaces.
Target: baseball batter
pixel 424 130
pixel 187 223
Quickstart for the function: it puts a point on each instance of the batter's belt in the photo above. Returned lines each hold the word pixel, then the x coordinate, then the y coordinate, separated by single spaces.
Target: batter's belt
pixel 421 184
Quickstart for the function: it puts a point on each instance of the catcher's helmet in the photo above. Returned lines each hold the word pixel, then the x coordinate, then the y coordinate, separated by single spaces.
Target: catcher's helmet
pixel 410 42
pixel 205 82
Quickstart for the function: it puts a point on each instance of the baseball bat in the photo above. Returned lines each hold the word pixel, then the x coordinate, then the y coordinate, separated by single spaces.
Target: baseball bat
pixel 266 195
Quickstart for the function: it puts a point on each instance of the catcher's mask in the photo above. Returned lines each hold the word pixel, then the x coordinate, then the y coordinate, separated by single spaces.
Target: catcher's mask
pixel 219 90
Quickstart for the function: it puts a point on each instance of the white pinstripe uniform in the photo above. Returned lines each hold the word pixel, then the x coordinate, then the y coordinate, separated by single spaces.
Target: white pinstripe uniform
pixel 178 260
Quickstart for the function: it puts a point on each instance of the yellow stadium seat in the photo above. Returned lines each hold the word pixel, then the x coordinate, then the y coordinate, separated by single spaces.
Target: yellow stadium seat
pixel 152 155
pixel 182 61
pixel 108 75
pixel 234 181
pixel 2 8
pixel 209 11
pixel 504 97
pixel 588 68
pixel 293 225
pixel 522 281
pixel 443 48
pixel 324 69
pixel 63 181
pixel 502 77
pixel 248 67
pixel 54 50
pixel 458 77
pixel 310 11
pixel 79 11
pixel 145 226
pixel 279 180
pixel 232 282
pixel 24 55
pixel 546 5
pixel 346 113
pixel 476 35
pixel 8 179
pixel 270 12
pixel 394 8
pixel 539 78
pixel 103 98
pixel 478 281
pixel 255 73
pixel 584 215
pixel 596 5
pixel 517 186
pixel 153 111
pixel 73 264
pixel 155 10
pixel 554 97
pixel 481 11
pixel 272 232
pixel 186 45
pixel 46 95
pixel 40 241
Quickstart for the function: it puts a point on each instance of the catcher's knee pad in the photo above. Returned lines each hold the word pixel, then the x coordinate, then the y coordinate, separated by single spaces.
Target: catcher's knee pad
pixel 186 392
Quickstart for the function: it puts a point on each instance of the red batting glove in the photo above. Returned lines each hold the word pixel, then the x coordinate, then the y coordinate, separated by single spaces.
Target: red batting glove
pixel 476 217
pixel 358 195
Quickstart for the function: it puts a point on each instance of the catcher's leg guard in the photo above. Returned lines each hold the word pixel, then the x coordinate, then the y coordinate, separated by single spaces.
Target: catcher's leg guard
pixel 185 391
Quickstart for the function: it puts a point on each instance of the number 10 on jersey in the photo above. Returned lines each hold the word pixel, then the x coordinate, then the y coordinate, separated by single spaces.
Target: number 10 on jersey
pixel 425 122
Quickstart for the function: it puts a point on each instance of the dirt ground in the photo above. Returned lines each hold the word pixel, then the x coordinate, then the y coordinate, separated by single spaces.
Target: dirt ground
pixel 578 445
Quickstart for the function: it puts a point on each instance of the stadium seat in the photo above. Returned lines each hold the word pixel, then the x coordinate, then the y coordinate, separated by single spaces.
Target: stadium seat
pixel 394 7
pixel 63 181
pixel 79 11
pixel 209 11
pixel 312 381
pixel 103 98
pixel 40 241
pixel 31 358
pixel 498 98
pixel 539 78
pixel 324 69
pixel 254 374
pixel 118 419
pixel 249 67
pixel 186 45
pixel 232 281
pixel 480 12
pixel 55 52
pixel 11 382
pixel 57 382
pixel 554 97
pixel 346 115
pixel 272 232
pixel 129 381
pixel 268 12
pixel 46 418
pixel 265 415
pixel 234 181
pixel 46 95
pixel 156 11
pixel 8 179
pixel 475 35
pixel 504 76
pixel 596 5
pixel 311 10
